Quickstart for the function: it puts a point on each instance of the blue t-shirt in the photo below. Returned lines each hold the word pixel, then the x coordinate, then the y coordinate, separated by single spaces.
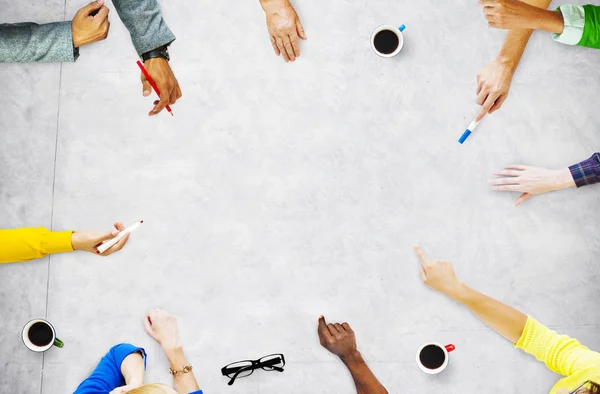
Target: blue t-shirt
pixel 107 375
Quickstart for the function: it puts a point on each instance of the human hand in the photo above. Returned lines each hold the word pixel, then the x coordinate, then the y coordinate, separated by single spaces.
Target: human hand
pixel 337 338
pixel 90 24
pixel 163 328
pixel 160 71
pixel 531 180
pixel 284 28
pixel 89 240
pixel 493 84
pixel 515 14
pixel 510 14
pixel 439 275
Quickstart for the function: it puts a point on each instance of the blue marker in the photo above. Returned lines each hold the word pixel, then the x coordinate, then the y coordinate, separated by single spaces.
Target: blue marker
pixel 468 131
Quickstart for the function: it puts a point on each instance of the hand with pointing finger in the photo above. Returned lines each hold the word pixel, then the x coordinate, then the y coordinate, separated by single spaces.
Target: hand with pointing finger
pixel 493 84
pixel 90 24
pixel 284 28
pixel 531 180
pixel 439 275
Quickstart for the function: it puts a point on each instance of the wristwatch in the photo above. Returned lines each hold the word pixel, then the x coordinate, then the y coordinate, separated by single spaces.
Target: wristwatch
pixel 162 51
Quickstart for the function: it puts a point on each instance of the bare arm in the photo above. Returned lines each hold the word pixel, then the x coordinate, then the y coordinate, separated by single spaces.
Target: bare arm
pixel 364 380
pixel 494 80
pixel 132 369
pixel 339 339
pixel 186 382
pixel 516 40
pixel 505 320
pixel 163 327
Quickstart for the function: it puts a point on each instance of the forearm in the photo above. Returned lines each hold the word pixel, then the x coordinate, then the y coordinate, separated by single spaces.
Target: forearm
pixel 132 369
pixel 25 244
pixel 550 21
pixel 30 42
pixel 145 23
pixel 364 380
pixel 503 319
pixel 184 383
pixel 516 40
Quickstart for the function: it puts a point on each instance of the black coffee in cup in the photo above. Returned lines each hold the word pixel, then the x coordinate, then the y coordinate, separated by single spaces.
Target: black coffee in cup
pixel 40 334
pixel 386 42
pixel 432 357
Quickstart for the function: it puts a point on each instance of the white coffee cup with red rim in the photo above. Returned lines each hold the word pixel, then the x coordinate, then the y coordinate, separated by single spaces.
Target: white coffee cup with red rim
pixel 433 358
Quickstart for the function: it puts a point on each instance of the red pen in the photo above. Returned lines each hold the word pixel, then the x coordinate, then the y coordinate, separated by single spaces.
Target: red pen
pixel 151 81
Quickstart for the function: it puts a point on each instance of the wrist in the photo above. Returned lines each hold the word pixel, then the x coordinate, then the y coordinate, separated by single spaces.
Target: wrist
pixel 550 21
pixel 563 179
pixel 75 241
pixel 353 358
pixel 459 293
pixel 76 43
pixel 508 61
pixel 269 4
pixel 175 356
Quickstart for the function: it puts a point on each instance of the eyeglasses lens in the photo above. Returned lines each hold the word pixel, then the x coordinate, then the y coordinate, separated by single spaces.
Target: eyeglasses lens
pixel 268 362
pixel 244 366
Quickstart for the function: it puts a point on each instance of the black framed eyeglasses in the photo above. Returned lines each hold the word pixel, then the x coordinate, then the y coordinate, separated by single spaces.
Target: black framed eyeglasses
pixel 587 386
pixel 241 369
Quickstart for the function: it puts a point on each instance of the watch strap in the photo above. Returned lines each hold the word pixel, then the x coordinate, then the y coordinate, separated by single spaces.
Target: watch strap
pixel 162 51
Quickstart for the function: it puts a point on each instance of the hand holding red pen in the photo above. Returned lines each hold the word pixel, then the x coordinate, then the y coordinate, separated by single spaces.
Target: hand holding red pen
pixel 162 75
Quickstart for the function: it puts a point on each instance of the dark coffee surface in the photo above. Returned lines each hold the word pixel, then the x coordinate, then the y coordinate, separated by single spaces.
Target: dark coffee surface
pixel 386 42
pixel 40 334
pixel 432 357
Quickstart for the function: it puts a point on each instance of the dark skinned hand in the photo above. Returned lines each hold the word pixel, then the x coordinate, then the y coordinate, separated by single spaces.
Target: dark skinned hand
pixel 337 338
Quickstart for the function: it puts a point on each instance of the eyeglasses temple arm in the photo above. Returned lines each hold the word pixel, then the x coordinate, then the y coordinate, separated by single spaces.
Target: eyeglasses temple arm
pixel 234 377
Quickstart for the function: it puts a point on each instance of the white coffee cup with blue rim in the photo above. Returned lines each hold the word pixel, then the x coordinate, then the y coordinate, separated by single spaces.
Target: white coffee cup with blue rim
pixel 387 40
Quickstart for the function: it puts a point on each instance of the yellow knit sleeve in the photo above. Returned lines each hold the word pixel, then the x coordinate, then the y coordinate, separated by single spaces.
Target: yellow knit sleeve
pixel 30 243
pixel 560 353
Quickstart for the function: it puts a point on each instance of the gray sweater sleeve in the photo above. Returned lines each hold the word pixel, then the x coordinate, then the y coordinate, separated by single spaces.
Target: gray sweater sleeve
pixel 30 42
pixel 145 23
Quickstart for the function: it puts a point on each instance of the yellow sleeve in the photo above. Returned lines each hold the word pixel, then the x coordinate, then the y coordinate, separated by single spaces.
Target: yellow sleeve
pixel 560 353
pixel 24 244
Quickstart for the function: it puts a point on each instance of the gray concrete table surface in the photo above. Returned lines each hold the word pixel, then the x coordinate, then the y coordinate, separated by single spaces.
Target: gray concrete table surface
pixel 280 192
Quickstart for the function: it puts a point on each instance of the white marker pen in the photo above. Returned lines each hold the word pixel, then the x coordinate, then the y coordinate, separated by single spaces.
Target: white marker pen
pixel 107 244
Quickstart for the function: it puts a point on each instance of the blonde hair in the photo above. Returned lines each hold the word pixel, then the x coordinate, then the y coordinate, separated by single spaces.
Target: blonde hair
pixel 148 389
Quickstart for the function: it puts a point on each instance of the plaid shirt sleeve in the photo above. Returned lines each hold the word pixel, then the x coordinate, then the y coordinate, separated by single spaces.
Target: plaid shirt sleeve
pixel 587 172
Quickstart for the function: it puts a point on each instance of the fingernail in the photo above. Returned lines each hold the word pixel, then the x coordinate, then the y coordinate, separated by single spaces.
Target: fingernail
pixel 146 93
pixel 115 232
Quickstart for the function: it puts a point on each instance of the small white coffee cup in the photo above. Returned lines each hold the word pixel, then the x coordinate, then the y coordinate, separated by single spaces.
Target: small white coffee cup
pixel 440 364
pixel 38 329
pixel 395 30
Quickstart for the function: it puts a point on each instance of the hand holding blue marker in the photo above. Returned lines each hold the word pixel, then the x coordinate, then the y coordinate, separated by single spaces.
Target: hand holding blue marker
pixel 468 131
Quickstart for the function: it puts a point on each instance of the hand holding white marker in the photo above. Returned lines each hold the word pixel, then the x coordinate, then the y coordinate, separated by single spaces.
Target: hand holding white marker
pixel 107 244
pixel 468 131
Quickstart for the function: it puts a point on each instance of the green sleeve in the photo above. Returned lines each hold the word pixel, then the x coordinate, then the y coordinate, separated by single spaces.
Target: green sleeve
pixel 591 29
